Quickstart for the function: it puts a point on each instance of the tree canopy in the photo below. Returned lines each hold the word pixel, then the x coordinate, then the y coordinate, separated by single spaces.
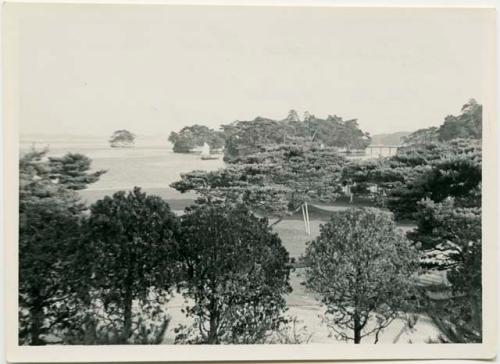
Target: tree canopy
pixel 71 170
pixel 362 268
pixel 130 253
pixel 238 184
pixel 247 137
pixel 467 125
pixel 450 236
pixel 122 138
pixel 433 170
pixel 50 214
pixel 236 275
pixel 310 172
pixel 194 136
pixel 274 181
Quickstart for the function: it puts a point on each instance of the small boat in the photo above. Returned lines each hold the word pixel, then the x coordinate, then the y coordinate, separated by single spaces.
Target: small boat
pixel 205 153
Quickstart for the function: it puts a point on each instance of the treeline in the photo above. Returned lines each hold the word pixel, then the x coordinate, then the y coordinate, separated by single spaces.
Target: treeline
pixel 469 124
pixel 246 137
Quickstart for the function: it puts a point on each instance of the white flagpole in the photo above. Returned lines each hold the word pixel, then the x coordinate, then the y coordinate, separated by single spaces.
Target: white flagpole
pixel 308 223
pixel 304 216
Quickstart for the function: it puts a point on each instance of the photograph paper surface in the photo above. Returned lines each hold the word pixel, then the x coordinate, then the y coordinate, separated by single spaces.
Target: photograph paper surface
pixel 249 182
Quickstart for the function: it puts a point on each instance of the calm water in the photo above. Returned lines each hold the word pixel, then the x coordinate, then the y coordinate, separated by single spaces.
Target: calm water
pixel 151 165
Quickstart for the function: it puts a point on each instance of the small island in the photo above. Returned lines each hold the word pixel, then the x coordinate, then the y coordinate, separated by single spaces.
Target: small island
pixel 122 139
pixel 196 136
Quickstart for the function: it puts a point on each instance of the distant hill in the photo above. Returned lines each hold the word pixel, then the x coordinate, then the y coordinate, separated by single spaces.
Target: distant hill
pixel 390 138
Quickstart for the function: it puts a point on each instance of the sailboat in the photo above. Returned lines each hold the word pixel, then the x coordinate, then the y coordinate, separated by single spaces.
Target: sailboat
pixel 205 152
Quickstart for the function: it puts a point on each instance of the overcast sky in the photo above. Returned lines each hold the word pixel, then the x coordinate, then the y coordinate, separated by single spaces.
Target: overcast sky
pixel 153 69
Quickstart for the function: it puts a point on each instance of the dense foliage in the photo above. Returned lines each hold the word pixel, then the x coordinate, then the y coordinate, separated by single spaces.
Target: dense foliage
pixel 235 273
pixel 236 184
pixel 435 180
pixel 362 268
pixel 130 254
pixel 122 138
pixel 194 136
pixel 248 137
pixel 71 170
pixel 308 171
pixel 467 125
pixel 273 181
pixel 434 170
pixel 50 215
pixel 451 238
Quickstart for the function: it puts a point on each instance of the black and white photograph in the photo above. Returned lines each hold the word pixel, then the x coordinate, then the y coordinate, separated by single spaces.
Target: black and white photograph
pixel 220 176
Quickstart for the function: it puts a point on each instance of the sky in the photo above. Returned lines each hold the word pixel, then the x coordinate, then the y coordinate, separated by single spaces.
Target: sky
pixel 151 69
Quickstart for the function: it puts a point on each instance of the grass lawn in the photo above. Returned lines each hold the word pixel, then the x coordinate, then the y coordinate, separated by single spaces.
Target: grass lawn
pixel 292 230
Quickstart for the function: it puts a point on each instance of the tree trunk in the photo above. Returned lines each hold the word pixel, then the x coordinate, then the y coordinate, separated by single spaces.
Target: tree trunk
pixel 36 324
pixel 213 332
pixel 476 315
pixel 357 329
pixel 127 317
